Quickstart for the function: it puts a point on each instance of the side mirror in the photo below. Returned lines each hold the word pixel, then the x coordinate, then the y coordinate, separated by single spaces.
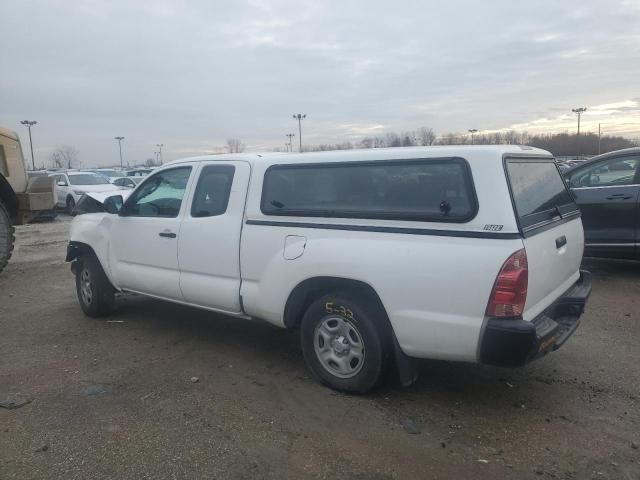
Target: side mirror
pixel 113 204
pixel 61 183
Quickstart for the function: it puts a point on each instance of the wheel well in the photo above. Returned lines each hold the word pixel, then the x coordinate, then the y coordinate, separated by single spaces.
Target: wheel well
pixel 69 196
pixel 77 249
pixel 307 291
pixel 8 197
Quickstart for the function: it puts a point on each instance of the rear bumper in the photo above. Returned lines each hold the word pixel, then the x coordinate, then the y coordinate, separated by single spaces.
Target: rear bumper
pixel 515 342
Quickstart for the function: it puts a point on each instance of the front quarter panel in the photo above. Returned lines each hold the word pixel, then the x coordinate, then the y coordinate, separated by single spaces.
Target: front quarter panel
pixel 94 230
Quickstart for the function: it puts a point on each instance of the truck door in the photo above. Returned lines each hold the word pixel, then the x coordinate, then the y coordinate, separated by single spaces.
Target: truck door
pixel 209 241
pixel 144 236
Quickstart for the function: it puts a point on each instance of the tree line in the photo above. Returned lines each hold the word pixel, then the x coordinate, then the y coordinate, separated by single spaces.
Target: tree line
pixel 559 144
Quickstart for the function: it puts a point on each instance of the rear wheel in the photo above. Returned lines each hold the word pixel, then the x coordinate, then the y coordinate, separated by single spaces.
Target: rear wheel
pixel 95 293
pixel 343 342
pixel 7 238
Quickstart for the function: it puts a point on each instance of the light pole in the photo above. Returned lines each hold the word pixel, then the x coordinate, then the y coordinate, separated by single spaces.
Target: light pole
pixel 472 131
pixel 160 145
pixel 29 124
pixel 599 137
pixel 120 147
pixel 579 112
pixel 300 117
pixel 290 145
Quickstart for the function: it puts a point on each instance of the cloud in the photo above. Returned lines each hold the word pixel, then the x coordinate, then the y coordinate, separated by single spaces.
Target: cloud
pixel 190 75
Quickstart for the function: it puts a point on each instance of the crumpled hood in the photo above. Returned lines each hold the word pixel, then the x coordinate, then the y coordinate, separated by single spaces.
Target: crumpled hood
pixel 102 196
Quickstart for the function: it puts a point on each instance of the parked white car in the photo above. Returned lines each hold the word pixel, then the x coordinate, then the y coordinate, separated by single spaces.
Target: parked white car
pixel 126 182
pixel 457 253
pixel 70 186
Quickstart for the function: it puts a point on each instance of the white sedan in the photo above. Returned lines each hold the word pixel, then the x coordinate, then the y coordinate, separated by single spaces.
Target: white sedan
pixel 127 182
pixel 70 186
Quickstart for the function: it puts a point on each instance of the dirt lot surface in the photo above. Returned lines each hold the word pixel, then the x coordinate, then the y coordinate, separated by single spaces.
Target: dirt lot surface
pixel 117 400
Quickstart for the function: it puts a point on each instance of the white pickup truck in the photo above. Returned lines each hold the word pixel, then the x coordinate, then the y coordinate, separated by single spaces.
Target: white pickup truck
pixel 377 256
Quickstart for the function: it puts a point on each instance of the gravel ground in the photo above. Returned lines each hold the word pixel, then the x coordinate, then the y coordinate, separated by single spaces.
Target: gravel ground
pixel 118 399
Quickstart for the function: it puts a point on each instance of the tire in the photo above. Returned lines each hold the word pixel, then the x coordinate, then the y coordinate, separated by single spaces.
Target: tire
pixel 7 238
pixel 344 342
pixel 95 293
pixel 70 206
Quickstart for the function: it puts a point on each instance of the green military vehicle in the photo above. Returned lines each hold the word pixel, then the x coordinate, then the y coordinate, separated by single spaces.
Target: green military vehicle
pixel 21 198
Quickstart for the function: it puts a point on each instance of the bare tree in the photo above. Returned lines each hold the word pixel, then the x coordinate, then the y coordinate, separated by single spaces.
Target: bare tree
pixel 56 160
pixel 425 136
pixel 65 156
pixel 234 145
pixel 393 140
pixel 407 139
pixel 511 137
pixel 366 142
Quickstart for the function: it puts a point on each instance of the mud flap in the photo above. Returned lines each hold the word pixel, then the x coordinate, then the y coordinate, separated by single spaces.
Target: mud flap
pixel 406 366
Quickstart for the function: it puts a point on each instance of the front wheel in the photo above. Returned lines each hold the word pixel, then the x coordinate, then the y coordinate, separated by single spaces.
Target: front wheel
pixel 95 293
pixel 70 206
pixel 343 342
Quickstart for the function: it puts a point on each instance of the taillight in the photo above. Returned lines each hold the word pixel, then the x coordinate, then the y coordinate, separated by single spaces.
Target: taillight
pixel 510 290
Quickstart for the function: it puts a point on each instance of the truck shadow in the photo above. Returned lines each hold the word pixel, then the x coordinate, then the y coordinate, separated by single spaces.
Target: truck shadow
pixel 250 345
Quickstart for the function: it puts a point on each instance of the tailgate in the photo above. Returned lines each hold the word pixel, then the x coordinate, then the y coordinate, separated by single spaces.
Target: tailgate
pixel 550 222
pixel 554 258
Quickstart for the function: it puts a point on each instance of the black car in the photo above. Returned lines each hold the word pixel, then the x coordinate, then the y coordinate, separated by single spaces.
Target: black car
pixel 607 190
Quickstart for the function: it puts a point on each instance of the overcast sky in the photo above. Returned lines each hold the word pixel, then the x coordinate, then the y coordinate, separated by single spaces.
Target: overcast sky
pixel 191 74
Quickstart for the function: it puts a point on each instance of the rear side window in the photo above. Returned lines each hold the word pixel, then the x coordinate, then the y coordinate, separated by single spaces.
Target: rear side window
pixel 212 192
pixel 539 193
pixel 438 190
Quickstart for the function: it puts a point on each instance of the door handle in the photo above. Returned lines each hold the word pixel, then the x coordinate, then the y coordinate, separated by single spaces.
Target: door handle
pixel 620 196
pixel 561 241
pixel 167 234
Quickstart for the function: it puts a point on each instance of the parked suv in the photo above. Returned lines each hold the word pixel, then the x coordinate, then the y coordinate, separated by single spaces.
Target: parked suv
pixel 455 253
pixel 70 186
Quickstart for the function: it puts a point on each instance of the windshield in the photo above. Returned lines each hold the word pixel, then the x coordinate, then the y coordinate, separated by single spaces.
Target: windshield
pixel 87 179
pixel 137 180
pixel 109 173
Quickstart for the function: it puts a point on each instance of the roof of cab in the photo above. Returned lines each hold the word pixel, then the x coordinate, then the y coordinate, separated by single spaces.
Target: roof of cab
pixel 464 151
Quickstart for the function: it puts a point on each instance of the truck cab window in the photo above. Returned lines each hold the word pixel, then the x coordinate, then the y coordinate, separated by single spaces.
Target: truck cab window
pixel 212 192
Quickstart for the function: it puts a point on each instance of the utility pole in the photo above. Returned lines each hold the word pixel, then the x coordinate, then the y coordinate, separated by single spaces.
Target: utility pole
pixel 120 147
pixel 290 145
pixel 160 145
pixel 599 136
pixel 472 131
pixel 579 112
pixel 29 124
pixel 300 117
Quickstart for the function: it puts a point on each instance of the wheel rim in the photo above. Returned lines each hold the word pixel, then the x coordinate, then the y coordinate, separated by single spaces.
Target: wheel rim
pixel 338 346
pixel 85 286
